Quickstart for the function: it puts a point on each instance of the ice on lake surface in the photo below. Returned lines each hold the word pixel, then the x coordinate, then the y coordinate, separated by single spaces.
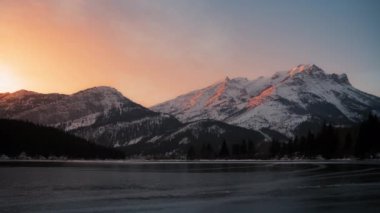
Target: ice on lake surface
pixel 189 187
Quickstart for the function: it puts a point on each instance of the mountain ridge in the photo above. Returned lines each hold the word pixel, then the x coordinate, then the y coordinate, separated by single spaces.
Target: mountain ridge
pixel 93 107
pixel 271 102
pixel 281 106
pixel 104 116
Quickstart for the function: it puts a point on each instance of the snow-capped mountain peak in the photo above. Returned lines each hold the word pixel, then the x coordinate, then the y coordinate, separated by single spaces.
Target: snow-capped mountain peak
pixel 285 103
pixel 108 97
pixel 101 114
pixel 104 91
pixel 100 89
pixel 306 68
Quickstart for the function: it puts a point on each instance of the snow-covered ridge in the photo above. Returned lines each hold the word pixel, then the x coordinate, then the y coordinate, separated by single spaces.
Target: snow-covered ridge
pixel 308 68
pixel 282 102
pixel 100 114
pixel 85 121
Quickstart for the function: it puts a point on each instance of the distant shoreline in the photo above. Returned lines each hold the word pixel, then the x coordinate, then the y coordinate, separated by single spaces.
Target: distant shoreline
pixel 131 161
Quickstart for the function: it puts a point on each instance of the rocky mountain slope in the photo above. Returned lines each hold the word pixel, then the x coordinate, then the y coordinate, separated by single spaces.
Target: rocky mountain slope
pixel 285 104
pixel 177 142
pixel 103 115
pixel 100 114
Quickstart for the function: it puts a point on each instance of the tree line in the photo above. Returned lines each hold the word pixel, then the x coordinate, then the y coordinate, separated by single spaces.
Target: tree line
pixel 361 141
pixel 20 138
pixel 243 150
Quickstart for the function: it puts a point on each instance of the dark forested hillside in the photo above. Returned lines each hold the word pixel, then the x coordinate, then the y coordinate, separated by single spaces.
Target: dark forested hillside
pixel 18 137
pixel 361 141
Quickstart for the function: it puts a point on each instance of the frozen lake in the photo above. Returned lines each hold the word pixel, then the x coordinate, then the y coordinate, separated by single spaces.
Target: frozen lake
pixel 189 187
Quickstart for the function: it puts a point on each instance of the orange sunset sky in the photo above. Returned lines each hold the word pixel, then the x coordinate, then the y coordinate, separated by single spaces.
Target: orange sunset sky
pixel 152 51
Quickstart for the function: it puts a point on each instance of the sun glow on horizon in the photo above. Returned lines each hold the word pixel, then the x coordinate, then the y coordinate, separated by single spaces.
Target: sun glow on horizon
pixel 155 51
pixel 8 80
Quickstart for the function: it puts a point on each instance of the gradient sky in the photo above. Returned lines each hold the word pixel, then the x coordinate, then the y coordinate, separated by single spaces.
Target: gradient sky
pixel 154 50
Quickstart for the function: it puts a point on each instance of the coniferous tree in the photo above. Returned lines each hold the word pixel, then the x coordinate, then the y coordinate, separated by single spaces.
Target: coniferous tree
pixel 210 151
pixel 243 149
pixel 310 146
pixel 348 146
pixel 204 154
pixel 224 153
pixel 302 147
pixel 207 152
pixel 367 144
pixel 236 151
pixel 191 153
pixel 275 149
pixel 290 147
pixel 328 141
pixel 375 136
pixel 251 149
